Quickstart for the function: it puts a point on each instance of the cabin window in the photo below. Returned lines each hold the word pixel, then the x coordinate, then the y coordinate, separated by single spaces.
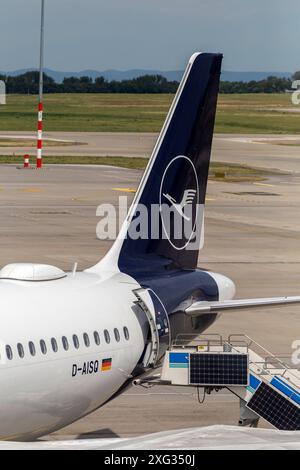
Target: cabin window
pixel 117 334
pixel 9 353
pixel 96 338
pixel 107 336
pixel 76 341
pixel 54 345
pixel 43 346
pixel 86 340
pixel 126 333
pixel 31 347
pixel 20 350
pixel 65 343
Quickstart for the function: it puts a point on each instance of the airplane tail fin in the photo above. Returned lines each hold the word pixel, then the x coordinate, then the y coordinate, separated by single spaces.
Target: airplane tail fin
pixel 163 229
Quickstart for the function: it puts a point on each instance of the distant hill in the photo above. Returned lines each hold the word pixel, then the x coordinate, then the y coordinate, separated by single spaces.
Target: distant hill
pixel 171 75
pixel 249 76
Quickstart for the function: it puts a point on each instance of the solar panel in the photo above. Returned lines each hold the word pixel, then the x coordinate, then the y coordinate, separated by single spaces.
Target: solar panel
pixel 275 408
pixel 219 369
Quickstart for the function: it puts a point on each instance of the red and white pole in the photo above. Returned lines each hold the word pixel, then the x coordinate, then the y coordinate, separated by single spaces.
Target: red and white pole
pixel 39 160
pixel 26 161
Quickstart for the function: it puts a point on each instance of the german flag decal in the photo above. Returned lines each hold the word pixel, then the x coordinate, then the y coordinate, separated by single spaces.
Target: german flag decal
pixel 106 364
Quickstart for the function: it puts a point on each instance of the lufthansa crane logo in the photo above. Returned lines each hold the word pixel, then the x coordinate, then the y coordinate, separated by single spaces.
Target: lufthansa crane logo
pixel 188 198
pixel 179 201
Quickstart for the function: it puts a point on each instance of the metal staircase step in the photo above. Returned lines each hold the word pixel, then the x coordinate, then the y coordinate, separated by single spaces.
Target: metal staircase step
pixel 275 408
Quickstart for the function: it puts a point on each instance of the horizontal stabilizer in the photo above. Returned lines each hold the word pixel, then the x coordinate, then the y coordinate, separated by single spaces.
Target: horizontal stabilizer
pixel 200 308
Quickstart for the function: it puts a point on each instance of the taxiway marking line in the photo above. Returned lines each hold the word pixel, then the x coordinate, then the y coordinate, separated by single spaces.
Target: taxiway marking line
pixel 125 190
pixel 32 190
pixel 264 184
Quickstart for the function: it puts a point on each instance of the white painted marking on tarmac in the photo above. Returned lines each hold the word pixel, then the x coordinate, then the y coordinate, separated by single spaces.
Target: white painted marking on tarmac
pixel 264 184
pixel 28 137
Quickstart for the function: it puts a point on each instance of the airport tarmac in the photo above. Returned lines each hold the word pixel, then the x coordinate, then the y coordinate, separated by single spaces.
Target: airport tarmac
pixel 252 235
pixel 261 151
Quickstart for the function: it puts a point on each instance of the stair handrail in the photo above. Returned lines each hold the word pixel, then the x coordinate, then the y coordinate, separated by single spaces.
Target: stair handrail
pixel 285 368
pixel 185 340
pixel 209 340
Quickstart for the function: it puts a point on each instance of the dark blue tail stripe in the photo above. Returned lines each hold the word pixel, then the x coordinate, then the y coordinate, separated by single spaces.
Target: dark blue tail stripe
pixel 189 134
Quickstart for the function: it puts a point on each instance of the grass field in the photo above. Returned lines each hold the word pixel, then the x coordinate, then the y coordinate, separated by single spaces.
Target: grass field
pixel 226 172
pixel 134 163
pixel 253 114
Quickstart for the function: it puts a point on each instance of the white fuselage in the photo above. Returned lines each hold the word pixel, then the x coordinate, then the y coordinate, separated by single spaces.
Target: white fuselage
pixel 42 393
pixel 42 390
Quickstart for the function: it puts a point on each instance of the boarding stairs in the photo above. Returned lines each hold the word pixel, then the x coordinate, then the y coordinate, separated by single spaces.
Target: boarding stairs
pixel 267 385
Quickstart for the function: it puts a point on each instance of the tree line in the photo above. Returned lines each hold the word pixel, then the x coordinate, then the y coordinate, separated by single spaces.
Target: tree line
pixel 28 83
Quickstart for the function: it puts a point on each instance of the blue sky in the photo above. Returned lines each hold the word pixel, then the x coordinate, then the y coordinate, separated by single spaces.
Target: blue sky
pixel 254 35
